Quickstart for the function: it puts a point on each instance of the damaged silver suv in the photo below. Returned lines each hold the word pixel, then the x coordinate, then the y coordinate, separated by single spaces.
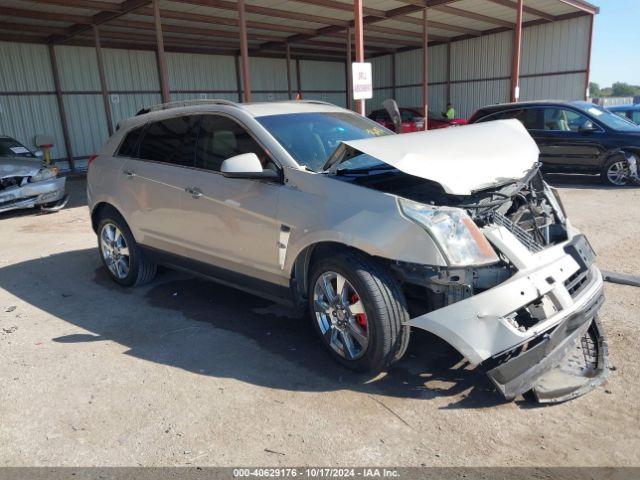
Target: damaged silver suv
pixel 451 231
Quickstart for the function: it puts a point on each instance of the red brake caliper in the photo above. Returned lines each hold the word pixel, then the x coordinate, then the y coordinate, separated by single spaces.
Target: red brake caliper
pixel 361 318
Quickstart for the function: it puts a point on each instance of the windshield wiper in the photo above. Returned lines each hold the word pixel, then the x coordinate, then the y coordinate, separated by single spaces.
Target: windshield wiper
pixel 373 168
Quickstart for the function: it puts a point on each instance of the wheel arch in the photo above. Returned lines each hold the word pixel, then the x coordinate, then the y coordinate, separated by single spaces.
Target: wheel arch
pixel 101 208
pixel 299 274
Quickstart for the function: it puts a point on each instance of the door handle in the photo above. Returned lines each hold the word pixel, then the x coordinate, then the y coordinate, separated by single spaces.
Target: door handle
pixel 194 191
pixel 129 173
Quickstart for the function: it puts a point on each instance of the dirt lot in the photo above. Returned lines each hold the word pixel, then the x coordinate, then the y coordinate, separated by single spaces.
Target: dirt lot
pixel 186 372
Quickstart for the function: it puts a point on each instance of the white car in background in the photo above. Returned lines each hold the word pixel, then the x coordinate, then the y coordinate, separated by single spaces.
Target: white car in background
pixel 26 182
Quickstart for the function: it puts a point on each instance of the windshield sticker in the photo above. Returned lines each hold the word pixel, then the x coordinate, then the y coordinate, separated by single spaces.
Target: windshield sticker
pixel 375 131
pixel 595 111
pixel 18 150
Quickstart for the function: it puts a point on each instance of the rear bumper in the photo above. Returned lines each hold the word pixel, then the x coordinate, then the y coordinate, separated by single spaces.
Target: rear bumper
pixel 566 362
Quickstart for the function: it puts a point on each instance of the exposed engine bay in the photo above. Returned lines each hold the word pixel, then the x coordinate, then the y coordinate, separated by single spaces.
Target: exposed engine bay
pixel 527 208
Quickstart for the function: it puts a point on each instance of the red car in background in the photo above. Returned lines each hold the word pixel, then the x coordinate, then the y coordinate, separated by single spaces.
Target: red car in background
pixel 413 120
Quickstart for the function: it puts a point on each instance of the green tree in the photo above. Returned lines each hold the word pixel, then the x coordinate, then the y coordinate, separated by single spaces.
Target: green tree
pixel 594 90
pixel 621 89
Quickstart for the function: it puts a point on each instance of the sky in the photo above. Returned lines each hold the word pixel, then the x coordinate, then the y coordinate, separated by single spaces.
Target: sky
pixel 615 43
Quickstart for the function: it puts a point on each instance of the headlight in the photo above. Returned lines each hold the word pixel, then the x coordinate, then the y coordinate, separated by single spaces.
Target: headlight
pixel 45 174
pixel 460 240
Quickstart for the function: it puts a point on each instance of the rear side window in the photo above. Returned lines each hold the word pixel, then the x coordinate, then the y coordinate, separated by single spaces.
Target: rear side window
pixel 529 117
pixel 171 141
pixel 221 138
pixel 129 146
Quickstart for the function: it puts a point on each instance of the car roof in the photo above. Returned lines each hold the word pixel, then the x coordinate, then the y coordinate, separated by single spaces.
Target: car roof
pixel 258 109
pixel 617 108
pixel 537 103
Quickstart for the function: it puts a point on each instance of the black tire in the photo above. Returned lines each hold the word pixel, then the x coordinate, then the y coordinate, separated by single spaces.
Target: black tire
pixel 384 304
pixel 141 270
pixel 604 177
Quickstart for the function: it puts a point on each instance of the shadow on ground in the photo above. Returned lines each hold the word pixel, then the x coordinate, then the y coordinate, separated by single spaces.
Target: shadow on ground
pixel 224 332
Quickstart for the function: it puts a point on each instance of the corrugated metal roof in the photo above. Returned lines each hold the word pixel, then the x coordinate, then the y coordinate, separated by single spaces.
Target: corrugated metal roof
pixel 280 19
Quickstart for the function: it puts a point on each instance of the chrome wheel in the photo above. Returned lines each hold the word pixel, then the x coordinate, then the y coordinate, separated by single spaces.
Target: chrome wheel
pixel 340 315
pixel 115 250
pixel 618 173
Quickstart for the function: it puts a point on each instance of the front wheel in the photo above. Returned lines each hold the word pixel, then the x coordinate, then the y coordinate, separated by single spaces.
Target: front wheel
pixel 358 311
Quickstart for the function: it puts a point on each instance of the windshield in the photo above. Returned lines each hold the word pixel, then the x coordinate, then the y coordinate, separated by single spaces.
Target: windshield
pixel 12 148
pixel 611 120
pixel 311 138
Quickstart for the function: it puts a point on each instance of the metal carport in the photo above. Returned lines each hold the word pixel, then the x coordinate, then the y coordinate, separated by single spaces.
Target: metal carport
pixel 74 68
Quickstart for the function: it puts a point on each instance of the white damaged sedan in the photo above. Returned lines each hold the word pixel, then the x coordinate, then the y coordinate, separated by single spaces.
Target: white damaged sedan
pixel 26 182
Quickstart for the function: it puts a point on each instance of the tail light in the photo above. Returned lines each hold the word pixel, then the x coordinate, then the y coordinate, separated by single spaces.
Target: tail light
pixel 90 160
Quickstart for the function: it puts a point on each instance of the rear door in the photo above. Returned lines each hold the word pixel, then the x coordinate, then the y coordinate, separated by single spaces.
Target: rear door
pixel 153 182
pixel 563 144
pixel 230 223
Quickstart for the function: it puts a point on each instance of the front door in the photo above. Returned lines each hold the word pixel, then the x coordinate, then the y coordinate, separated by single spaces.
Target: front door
pixel 230 223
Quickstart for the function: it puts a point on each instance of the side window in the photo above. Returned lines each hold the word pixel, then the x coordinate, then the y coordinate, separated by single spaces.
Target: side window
pixel 221 138
pixel 171 141
pixel 527 116
pixel 563 120
pixel 129 146
pixel 635 116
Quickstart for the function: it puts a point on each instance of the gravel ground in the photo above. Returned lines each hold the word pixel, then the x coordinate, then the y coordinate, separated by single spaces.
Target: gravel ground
pixel 186 372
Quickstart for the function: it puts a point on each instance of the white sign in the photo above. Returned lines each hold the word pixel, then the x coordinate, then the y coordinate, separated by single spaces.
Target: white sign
pixel 362 81
pixel 115 98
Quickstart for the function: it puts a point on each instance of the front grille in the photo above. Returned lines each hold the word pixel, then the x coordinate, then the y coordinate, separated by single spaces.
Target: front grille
pixel 521 234
pixel 577 282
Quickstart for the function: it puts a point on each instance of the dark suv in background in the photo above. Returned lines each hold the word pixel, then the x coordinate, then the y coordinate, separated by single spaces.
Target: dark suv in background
pixel 576 137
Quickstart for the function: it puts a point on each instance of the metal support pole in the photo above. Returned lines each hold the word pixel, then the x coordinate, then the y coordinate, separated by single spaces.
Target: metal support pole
pixel 103 81
pixel 357 14
pixel 448 72
pixel 349 71
pixel 162 61
pixel 587 80
pixel 289 70
pixel 425 66
pixel 394 92
pixel 298 78
pixel 244 51
pixel 61 110
pixel 238 78
pixel 516 54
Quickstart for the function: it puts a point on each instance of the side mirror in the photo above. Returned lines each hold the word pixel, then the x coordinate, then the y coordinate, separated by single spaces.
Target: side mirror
pixel 39 154
pixel 588 127
pixel 246 165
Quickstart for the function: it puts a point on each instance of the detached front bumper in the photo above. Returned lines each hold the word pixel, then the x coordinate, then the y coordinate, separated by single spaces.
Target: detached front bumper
pixel 544 354
pixel 47 192
pixel 567 362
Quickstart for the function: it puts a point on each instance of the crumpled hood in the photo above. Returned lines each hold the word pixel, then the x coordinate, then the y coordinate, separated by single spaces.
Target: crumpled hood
pixel 19 167
pixel 462 159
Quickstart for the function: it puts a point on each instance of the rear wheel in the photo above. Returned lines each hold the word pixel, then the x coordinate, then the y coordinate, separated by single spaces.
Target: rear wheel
pixel 121 255
pixel 358 311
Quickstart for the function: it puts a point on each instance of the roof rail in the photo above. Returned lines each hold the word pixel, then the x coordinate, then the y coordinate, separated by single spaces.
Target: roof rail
pixel 186 103
pixel 318 102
